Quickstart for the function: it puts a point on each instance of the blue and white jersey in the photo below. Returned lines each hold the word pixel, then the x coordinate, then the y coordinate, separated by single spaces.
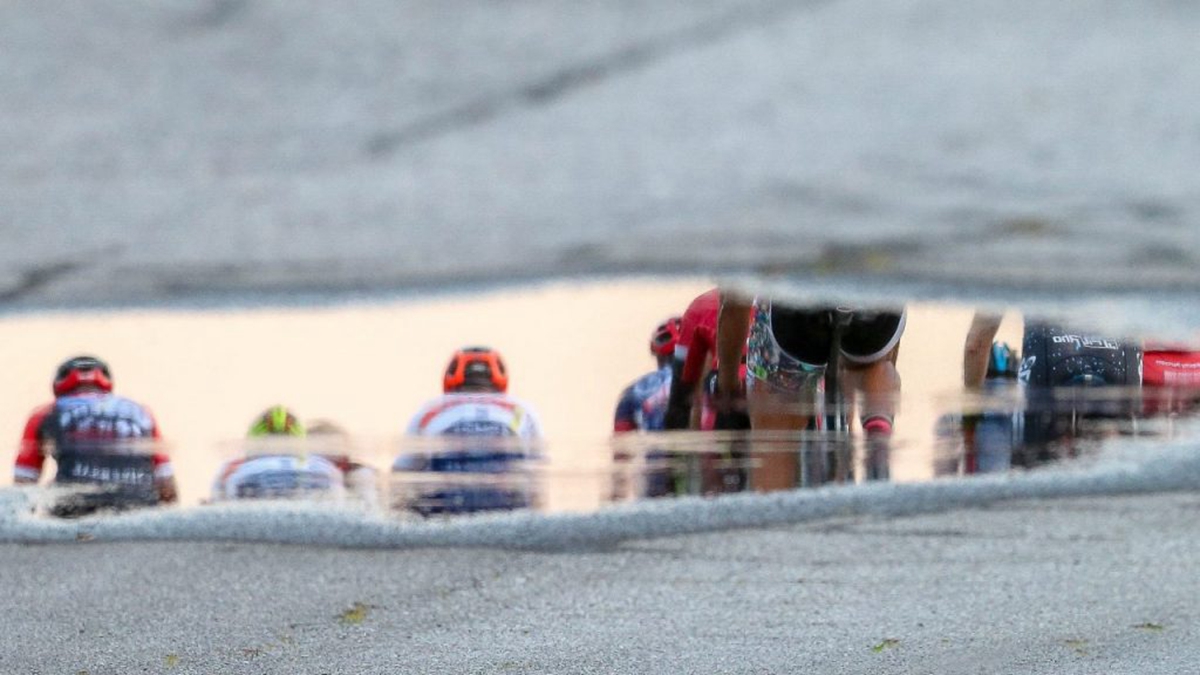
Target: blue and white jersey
pixel 277 476
pixel 643 404
pixel 97 418
pixel 489 438
pixel 104 438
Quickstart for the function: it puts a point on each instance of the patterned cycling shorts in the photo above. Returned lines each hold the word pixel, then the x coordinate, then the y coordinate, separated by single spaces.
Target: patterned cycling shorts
pixel 808 334
pixel 769 367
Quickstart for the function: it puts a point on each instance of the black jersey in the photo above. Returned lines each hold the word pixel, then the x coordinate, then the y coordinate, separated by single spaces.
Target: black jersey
pixel 1054 357
pixel 1071 377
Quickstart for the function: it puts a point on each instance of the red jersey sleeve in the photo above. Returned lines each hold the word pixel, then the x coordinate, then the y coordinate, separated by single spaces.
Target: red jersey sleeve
pixel 30 456
pixel 698 333
pixel 162 461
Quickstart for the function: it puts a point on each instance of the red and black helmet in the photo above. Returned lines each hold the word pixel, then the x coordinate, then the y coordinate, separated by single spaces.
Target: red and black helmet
pixel 664 337
pixel 475 367
pixel 82 371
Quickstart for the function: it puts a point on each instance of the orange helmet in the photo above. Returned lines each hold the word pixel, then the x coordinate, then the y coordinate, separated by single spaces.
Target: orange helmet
pixel 475 367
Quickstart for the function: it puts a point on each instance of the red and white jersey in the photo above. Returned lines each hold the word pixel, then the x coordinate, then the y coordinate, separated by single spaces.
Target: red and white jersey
pixel 35 440
pixel 1170 366
pixel 697 344
pixel 277 476
pixel 1170 378
pixel 476 414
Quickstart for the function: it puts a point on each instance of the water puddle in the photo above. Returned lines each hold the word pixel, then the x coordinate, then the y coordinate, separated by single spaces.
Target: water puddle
pixel 355 373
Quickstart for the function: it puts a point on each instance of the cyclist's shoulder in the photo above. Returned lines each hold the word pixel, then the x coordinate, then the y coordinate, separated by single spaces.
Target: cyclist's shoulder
pixel 651 382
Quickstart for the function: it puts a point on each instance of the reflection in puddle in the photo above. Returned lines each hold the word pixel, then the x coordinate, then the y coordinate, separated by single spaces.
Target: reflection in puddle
pixel 571 351
pixel 457 474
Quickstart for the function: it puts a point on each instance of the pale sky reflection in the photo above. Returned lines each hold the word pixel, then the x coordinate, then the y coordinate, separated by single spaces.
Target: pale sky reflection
pixel 570 347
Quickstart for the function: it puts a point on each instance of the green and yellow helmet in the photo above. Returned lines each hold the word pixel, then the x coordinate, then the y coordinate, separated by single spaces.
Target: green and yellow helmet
pixel 276 421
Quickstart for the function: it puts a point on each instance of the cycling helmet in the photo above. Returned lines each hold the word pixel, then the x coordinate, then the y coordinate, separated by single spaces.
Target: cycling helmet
pixel 1002 362
pixel 475 367
pixel 664 337
pixel 276 421
pixel 82 371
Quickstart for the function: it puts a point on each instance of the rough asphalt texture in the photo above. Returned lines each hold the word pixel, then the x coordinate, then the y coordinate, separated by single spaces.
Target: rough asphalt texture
pixel 165 151
pixel 1084 585
pixel 955 576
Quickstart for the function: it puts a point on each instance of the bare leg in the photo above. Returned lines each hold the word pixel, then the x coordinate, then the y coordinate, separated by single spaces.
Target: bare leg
pixel 879 383
pixel 775 459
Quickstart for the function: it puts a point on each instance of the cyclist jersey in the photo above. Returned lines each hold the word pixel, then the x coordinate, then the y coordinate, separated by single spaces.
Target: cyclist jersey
pixel 102 428
pixel 697 344
pixel 487 433
pixel 1171 367
pixel 1054 357
pixel 1170 378
pixel 476 414
pixel 643 404
pixel 1059 369
pixel 274 476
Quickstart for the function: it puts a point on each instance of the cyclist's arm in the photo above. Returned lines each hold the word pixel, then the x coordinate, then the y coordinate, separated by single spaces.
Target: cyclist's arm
pixel 731 340
pixel 164 471
pixel 624 419
pixel 679 402
pixel 978 347
pixel 30 456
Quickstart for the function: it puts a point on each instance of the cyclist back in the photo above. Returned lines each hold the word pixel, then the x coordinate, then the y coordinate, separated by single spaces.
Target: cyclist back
pixel 481 430
pixel 642 406
pixel 98 439
pixel 787 353
pixel 279 464
pixel 694 371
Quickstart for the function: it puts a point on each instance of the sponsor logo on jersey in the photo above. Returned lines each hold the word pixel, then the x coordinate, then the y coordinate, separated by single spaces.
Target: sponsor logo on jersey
pixel 1084 342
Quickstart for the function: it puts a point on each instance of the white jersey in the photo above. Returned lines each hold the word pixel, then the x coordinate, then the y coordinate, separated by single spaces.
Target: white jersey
pixel 277 476
pixel 476 414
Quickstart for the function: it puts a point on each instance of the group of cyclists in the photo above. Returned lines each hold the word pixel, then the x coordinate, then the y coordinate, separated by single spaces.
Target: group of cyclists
pixel 805 379
pixel 816 382
pixel 1063 391
pixel 796 369
pixel 108 457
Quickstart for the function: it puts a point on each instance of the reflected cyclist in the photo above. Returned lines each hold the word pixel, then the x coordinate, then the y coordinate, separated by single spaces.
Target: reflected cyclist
pixel 1077 384
pixel 693 370
pixel 642 405
pixel 482 430
pixel 98 439
pixel 787 354
pixel 279 463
